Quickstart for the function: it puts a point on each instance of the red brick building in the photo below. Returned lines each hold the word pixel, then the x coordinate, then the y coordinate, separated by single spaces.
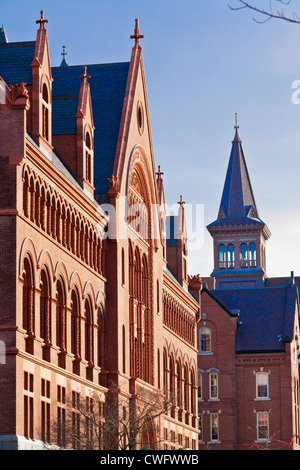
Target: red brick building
pixel 248 365
pixel 92 292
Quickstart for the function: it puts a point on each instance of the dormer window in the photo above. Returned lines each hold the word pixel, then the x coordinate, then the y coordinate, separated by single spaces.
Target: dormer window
pixel 45 112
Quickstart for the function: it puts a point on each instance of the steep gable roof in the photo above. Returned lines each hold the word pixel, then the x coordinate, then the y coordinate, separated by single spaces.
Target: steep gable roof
pixel 266 319
pixel 238 206
pixel 107 84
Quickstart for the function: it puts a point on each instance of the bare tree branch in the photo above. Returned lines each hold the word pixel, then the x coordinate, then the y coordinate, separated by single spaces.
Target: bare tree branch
pixel 268 14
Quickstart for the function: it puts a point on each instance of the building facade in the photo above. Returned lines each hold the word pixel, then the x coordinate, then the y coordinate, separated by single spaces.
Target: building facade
pixel 95 295
pixel 248 364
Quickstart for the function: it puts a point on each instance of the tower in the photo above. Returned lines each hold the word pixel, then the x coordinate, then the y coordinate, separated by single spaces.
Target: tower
pixel 239 235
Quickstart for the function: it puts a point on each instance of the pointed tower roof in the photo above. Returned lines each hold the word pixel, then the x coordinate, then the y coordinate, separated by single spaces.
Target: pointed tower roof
pixel 3 37
pixel 238 205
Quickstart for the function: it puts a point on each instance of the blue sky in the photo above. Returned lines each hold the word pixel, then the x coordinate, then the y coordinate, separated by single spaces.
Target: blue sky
pixel 203 64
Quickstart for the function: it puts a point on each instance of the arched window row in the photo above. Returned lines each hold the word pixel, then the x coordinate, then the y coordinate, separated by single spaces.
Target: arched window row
pixel 75 327
pixel 63 223
pixel 178 319
pixel 180 388
pixel 247 255
pixel 141 330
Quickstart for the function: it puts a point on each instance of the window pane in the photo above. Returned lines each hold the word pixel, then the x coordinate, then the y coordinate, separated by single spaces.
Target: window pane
pixel 262 385
pixel 213 385
pixel 205 339
pixel 263 425
pixel 214 418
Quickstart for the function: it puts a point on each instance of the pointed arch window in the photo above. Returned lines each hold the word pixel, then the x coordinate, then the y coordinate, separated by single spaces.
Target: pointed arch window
pixel 61 325
pixel 222 256
pixel 252 252
pixel 28 304
pixel 45 312
pixel 45 111
pixel 88 158
pixel 75 325
pixel 88 332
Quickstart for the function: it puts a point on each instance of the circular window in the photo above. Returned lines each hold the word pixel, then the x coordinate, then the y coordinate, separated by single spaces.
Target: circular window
pixel 140 117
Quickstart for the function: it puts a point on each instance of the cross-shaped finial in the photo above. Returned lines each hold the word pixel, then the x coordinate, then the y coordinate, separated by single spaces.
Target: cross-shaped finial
pixel 159 173
pixel 137 36
pixel 181 202
pixel 64 52
pixel 236 122
pixel 85 75
pixel 42 21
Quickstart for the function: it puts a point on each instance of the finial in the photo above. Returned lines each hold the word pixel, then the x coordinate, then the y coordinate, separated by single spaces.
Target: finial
pixel 181 202
pixel 159 173
pixel 236 122
pixel 236 137
pixel 42 21
pixel 64 62
pixel 137 36
pixel 85 76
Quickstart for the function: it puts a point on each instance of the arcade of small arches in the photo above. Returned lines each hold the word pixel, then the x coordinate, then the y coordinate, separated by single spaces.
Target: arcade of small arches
pixel 140 311
pixel 56 217
pixel 180 386
pixel 178 319
pixel 61 316
pixel 247 255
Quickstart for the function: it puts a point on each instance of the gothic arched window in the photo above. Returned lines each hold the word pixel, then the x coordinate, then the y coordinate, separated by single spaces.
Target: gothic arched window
pixel 45 308
pixel 88 158
pixel 61 326
pixel 89 343
pixel 28 304
pixel 75 325
pixel 45 110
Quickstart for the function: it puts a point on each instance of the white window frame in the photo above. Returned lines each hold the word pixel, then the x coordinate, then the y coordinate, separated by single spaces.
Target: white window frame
pixel 199 384
pixel 207 340
pixel 258 376
pixel 258 426
pixel 216 386
pixel 211 416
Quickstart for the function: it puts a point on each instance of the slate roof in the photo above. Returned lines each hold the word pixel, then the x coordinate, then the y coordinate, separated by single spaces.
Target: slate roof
pixel 266 319
pixel 15 62
pixel 107 85
pixel 238 206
